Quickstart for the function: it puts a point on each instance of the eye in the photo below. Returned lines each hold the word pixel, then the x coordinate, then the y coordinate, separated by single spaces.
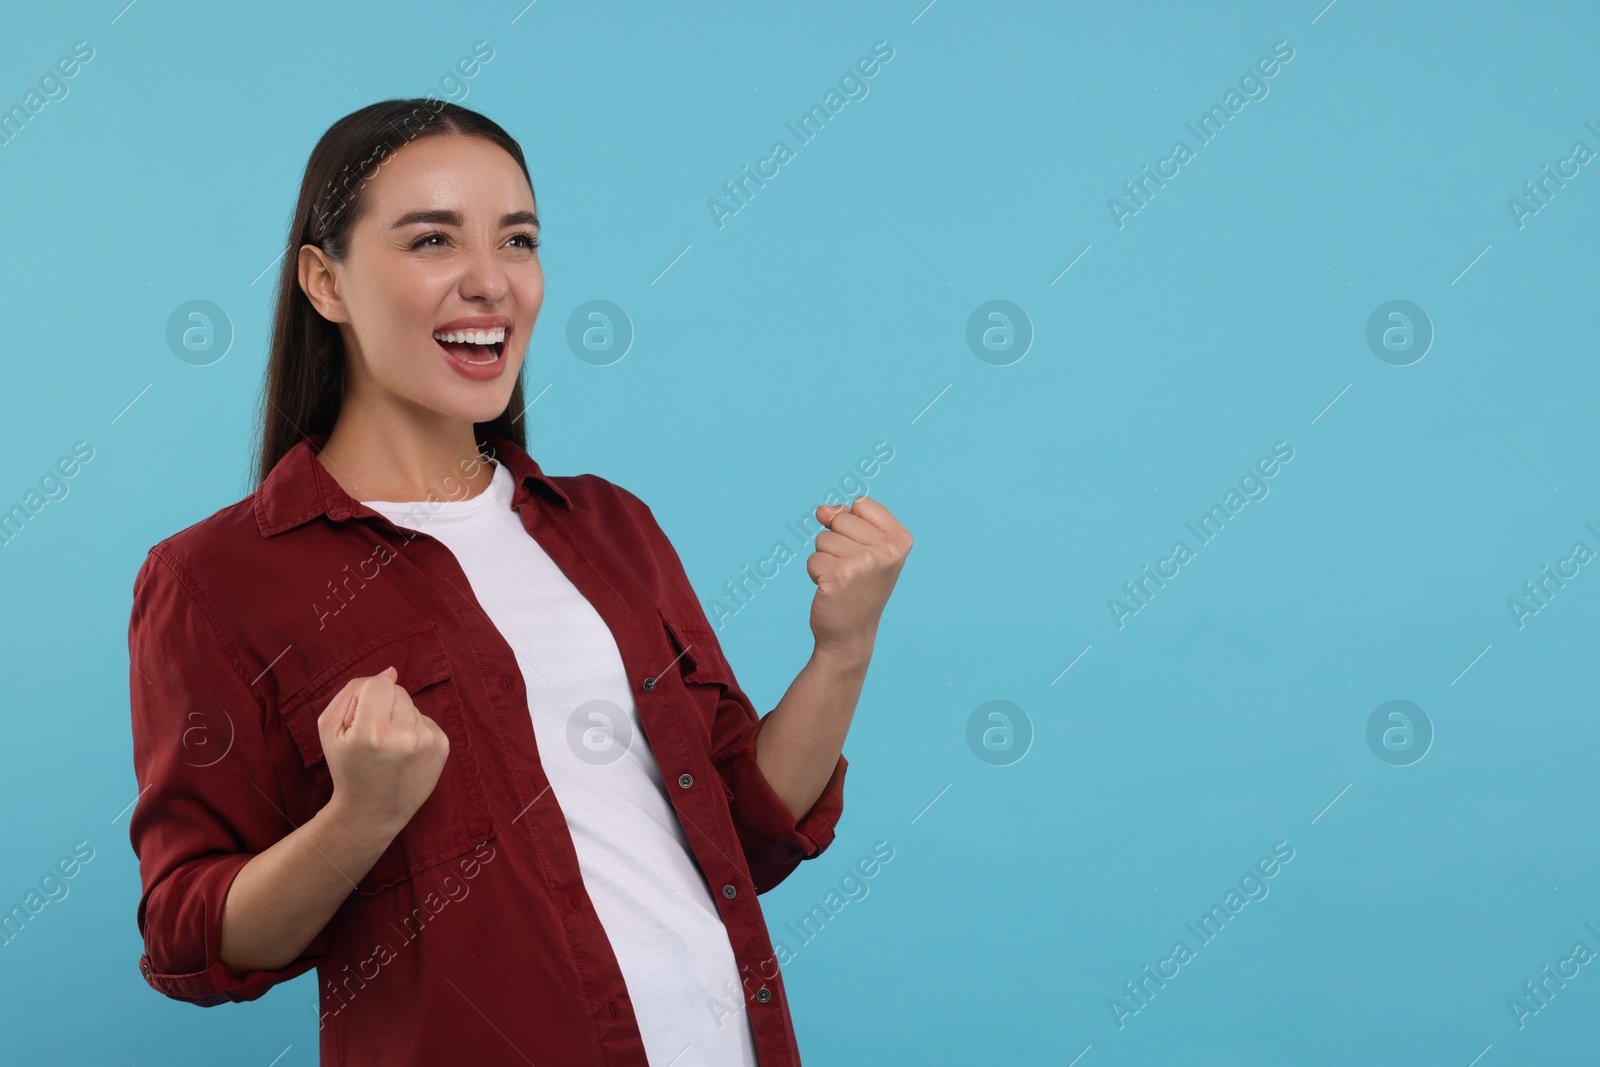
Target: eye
pixel 532 240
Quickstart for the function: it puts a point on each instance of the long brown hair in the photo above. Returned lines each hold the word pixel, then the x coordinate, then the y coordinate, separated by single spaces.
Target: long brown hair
pixel 306 369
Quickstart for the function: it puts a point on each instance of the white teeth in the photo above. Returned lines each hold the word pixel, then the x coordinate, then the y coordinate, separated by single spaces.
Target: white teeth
pixel 473 337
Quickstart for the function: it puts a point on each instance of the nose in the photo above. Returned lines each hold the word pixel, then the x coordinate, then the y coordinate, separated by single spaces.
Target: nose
pixel 484 277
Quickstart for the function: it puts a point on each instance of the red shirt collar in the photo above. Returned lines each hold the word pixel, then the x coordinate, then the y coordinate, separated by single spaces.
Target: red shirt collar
pixel 299 488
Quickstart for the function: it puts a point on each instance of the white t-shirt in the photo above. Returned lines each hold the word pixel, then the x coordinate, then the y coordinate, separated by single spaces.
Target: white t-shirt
pixel 647 889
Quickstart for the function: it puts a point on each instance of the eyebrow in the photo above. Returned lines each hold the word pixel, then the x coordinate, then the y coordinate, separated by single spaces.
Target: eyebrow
pixel 449 217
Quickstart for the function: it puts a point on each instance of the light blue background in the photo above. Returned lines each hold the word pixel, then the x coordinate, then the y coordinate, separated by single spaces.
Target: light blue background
pixel 1228 314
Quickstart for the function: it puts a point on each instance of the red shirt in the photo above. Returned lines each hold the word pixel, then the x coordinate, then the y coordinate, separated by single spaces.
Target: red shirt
pixel 472 939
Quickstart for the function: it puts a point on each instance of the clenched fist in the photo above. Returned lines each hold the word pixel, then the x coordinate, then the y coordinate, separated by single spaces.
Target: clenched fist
pixel 385 756
pixel 855 566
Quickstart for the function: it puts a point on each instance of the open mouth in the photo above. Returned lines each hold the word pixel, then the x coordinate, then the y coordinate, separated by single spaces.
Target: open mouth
pixel 477 347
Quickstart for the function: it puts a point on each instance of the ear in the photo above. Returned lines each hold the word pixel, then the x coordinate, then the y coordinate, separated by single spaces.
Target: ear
pixel 319 280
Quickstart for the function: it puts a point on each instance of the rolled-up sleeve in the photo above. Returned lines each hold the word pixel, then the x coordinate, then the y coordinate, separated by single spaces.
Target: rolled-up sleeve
pixel 774 841
pixel 208 798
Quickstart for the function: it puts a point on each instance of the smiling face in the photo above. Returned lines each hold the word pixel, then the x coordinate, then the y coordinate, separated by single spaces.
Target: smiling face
pixel 446 246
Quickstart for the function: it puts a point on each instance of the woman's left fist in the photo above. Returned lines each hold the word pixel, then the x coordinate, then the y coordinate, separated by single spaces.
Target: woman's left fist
pixel 855 566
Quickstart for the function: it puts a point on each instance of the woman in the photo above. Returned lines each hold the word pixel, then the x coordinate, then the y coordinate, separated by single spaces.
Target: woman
pixel 453 731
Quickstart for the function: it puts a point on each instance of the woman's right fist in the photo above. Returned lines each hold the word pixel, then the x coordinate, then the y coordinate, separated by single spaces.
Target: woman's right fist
pixel 385 756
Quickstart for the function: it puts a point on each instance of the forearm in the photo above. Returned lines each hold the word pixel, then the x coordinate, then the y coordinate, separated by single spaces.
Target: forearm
pixel 284 896
pixel 798 743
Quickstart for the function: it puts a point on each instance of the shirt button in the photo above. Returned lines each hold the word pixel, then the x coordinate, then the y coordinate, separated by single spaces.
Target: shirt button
pixel 649 685
pixel 763 994
pixel 729 892
pixel 144 966
pixel 686 780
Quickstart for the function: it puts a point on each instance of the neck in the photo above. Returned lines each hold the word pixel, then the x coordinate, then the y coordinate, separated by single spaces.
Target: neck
pixel 395 459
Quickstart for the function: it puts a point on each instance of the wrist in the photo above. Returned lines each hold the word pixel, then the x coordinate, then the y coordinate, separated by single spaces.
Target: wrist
pixel 851 659
pixel 361 829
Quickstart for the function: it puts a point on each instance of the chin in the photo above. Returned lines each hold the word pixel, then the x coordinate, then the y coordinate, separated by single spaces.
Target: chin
pixel 482 405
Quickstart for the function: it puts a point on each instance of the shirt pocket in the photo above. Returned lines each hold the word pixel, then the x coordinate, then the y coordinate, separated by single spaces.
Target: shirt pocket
pixel 704 673
pixel 455 817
